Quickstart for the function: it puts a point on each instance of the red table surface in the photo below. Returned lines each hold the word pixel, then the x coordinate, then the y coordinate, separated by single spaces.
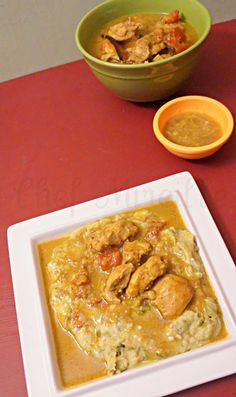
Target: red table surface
pixel 65 139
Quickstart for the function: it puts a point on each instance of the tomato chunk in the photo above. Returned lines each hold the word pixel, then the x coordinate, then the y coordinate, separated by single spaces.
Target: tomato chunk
pixel 175 39
pixel 110 258
pixel 172 17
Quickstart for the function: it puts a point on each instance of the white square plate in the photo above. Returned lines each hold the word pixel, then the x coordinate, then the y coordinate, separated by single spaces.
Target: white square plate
pixel 160 378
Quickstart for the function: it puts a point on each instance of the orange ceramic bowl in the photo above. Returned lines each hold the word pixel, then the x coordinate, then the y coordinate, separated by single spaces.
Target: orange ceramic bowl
pixel 210 107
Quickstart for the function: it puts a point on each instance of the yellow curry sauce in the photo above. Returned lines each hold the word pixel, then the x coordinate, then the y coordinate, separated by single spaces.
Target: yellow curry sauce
pixel 139 317
pixel 75 366
pixel 192 129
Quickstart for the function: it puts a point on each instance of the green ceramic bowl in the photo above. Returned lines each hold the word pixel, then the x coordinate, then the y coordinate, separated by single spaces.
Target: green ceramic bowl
pixel 145 82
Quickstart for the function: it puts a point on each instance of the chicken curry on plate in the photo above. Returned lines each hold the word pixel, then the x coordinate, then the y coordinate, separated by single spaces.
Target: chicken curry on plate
pixel 127 290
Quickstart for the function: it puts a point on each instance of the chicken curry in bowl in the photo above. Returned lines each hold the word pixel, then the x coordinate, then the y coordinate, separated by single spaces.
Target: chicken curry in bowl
pixel 143 38
pixel 128 290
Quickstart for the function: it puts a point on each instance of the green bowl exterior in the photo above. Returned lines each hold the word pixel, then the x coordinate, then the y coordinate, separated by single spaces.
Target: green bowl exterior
pixel 156 82
pixel 146 82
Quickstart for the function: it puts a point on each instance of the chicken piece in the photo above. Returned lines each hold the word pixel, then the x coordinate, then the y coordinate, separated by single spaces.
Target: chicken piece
pixel 134 250
pixel 112 234
pixel 155 40
pixel 109 52
pixel 142 278
pixel 117 282
pixel 146 47
pixel 155 227
pixel 159 57
pixel 156 48
pixel 124 30
pixel 139 53
pixel 173 294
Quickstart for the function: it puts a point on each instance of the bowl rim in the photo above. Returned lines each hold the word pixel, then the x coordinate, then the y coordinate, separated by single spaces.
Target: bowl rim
pixel 92 58
pixel 193 149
